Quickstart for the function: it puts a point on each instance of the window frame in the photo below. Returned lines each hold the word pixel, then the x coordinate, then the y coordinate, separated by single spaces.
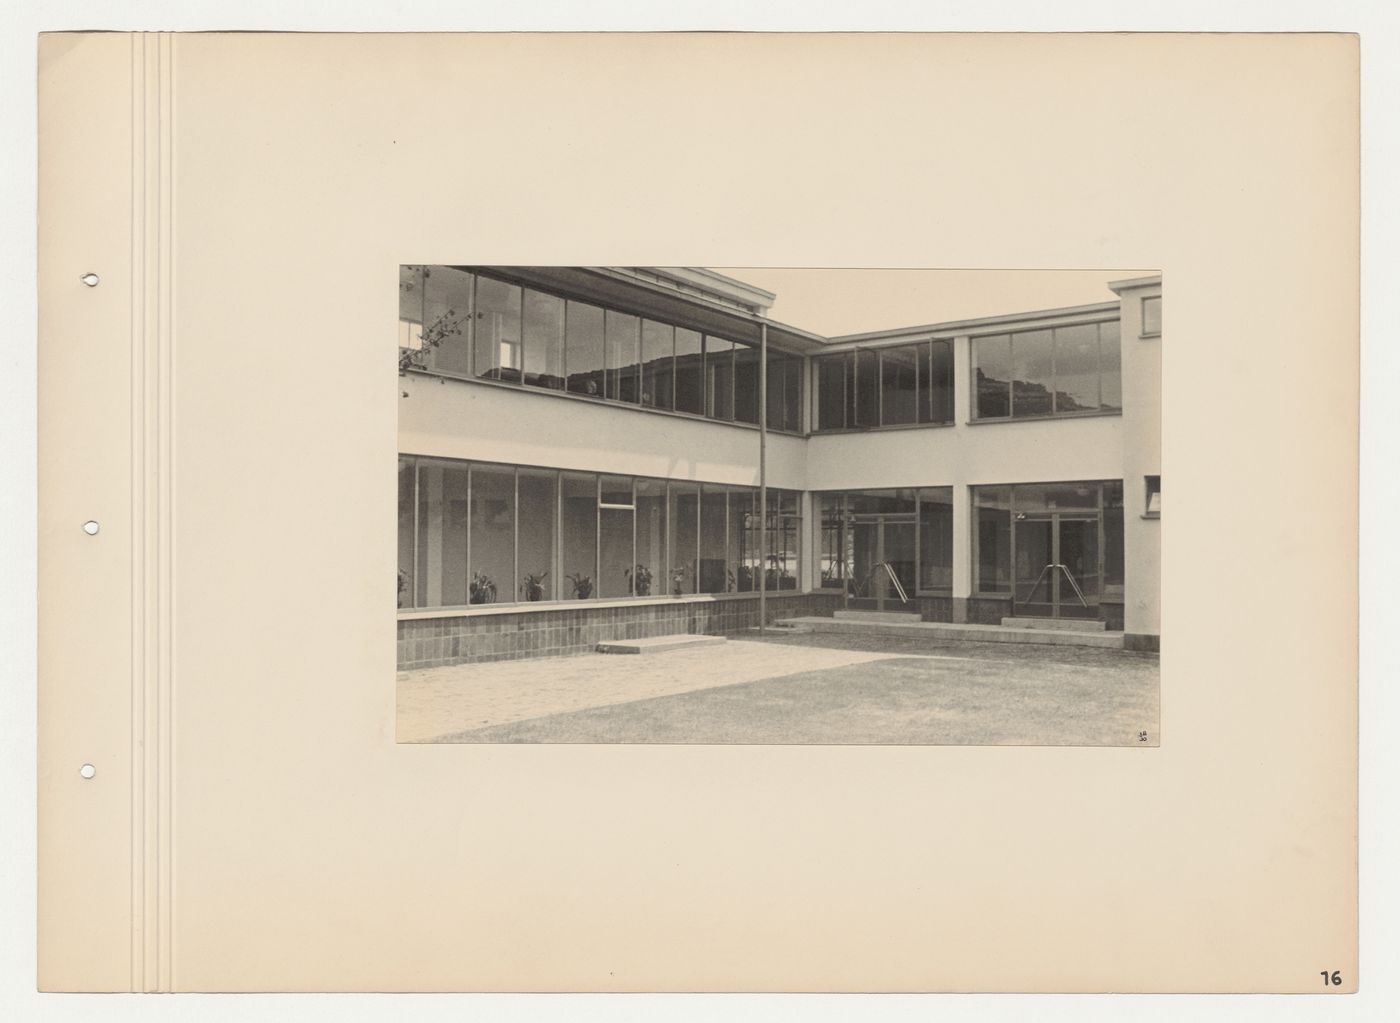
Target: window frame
pixel 974 419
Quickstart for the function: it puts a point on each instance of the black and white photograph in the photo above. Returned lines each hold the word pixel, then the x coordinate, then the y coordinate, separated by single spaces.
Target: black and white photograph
pixel 778 506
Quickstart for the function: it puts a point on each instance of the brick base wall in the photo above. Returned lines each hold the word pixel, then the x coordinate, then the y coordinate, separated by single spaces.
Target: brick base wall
pixel 471 639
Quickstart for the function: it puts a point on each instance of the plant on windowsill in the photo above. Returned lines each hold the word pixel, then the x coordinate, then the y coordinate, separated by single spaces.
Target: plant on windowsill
pixel 678 581
pixel 642 577
pixel 746 583
pixel 482 589
pixel 534 586
pixel 583 586
pixel 403 586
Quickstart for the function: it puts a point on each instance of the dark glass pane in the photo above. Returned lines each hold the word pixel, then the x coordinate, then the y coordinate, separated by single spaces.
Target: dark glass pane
pixel 624 357
pixel 991 368
pixel 1043 497
pixel 615 554
pixel 778 364
pixel 782 540
pixel 447 318
pixel 544 340
pixel 899 376
pixel 1111 366
pixel 585 349
pixel 1152 315
pixel 831 392
pixel 685 539
pixel 714 567
pixel 497 330
pixel 579 536
pixel 442 536
pixel 690 372
pixel 936 539
pixel 616 490
pixel 492 535
pixel 1076 368
pixel 938 404
pixel 658 364
pixel 880 502
pixel 792 394
pixel 411 308
pixel 993 551
pixel 1113 544
pixel 1032 373
pixel 406 519
pixel 719 377
pixel 746 373
pixel 649 577
pixel 744 537
pixel 867 389
pixel 536 545
pixel 834 563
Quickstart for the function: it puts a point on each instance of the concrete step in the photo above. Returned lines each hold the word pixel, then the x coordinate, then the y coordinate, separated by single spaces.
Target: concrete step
pixel 879 616
pixel 1066 624
pixel 657 644
pixel 951 631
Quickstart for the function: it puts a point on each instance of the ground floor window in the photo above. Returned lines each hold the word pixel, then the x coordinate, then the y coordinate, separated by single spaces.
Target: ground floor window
pixel 1056 549
pixel 484 533
pixel 885 547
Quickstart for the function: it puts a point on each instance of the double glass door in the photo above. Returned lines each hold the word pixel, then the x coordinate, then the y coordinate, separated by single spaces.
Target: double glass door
pixel 882 563
pixel 1058 566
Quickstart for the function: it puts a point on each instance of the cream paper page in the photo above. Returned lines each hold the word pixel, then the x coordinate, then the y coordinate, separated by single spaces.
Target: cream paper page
pixel 222 405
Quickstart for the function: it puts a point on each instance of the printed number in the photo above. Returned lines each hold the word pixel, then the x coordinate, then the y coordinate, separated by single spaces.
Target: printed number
pixel 1142 736
pixel 1332 979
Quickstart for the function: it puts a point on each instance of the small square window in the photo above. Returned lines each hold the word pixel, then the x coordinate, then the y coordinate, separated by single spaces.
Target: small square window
pixel 1154 496
pixel 1152 316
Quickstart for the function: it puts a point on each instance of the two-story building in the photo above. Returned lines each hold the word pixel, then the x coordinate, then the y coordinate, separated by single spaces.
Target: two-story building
pixel 599 453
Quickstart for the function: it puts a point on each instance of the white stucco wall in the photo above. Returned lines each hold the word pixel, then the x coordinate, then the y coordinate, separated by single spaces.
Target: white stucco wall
pixel 1142 457
pixel 469 420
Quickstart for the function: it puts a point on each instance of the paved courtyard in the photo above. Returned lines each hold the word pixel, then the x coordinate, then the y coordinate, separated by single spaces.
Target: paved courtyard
pixel 782 689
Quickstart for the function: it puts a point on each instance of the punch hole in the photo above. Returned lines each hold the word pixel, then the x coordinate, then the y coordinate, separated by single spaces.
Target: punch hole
pixel 90 527
pixel 87 770
pixel 91 280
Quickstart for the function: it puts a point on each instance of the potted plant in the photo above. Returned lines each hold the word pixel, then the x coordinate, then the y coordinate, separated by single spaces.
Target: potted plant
pixel 482 590
pixel 678 580
pixel 533 585
pixel 641 577
pixel 403 586
pixel 583 586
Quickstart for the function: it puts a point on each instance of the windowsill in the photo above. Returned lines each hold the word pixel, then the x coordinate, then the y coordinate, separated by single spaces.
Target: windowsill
pixel 1046 418
pixel 1151 515
pixel 880 429
pixel 550 392
pixel 540 606
pixel 1149 337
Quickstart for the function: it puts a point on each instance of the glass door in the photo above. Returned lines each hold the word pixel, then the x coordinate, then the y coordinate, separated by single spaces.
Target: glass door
pixel 1058 567
pixel 882 551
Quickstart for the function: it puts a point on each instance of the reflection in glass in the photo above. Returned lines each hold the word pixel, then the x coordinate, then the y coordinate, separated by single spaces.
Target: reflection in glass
pixel 407 502
pixel 447 312
pixel 690 372
pixel 1076 368
pixel 658 364
pixel 746 372
pixel 991 368
pixel 492 554
pixel 650 573
pixel 899 384
pixel 939 389
pixel 1032 373
pixel 685 537
pixel 792 394
pixel 831 391
pixel 544 340
pixel 579 535
pixel 714 518
pixel 585 349
pixel 624 356
pixel 1111 366
pixel 442 536
pixel 993 538
pixel 833 560
pixel 744 538
pixel 497 330
pixel 867 410
pixel 411 307
pixel 615 554
pixel 537 575
pixel 936 539
pixel 719 376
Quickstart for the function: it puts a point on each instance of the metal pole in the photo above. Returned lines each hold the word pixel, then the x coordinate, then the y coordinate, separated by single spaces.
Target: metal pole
pixel 763 478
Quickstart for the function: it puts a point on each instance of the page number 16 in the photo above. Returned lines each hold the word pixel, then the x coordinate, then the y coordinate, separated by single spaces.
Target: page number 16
pixel 1333 979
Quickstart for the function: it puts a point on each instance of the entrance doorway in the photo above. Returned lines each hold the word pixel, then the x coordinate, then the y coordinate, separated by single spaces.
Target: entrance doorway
pixel 882 563
pixel 1058 573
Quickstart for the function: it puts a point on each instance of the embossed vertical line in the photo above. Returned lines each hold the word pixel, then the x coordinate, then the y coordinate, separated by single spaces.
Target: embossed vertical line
pixel 136 339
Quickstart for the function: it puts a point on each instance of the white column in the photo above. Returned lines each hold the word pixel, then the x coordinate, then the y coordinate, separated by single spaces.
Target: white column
pixel 962 380
pixel 962 550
